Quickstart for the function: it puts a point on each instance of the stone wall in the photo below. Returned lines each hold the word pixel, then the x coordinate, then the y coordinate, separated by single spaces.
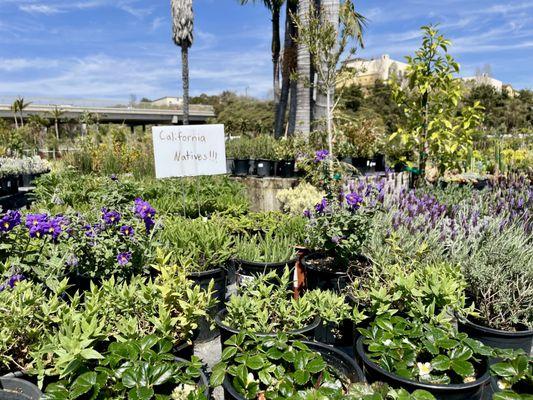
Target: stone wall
pixel 263 191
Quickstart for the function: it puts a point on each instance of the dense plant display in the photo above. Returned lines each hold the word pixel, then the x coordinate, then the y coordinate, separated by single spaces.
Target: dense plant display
pixel 268 249
pixel 135 369
pixel 19 166
pixel 423 352
pixel 276 368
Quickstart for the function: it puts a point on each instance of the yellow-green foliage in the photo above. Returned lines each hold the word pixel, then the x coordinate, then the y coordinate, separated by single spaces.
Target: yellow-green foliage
pixel 298 199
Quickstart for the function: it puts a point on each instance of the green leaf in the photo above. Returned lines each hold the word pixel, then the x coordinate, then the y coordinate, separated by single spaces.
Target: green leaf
pixel 83 384
pixel 504 369
pixel 301 377
pixel 462 368
pixel 316 365
pixel 228 353
pixel 422 395
pixel 461 353
pixel 255 362
pixel 91 354
pixel 141 393
pixel 441 363
pixel 217 375
pixel 161 373
pixel 507 395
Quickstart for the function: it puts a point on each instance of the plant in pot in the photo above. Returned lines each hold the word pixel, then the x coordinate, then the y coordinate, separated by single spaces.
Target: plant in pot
pixel 135 369
pixel 254 367
pixel 300 198
pixel 18 389
pixel 285 154
pixel 263 253
pixel 336 231
pixel 239 150
pixel 28 311
pixel 265 305
pixel 514 375
pixel 414 355
pixel 264 154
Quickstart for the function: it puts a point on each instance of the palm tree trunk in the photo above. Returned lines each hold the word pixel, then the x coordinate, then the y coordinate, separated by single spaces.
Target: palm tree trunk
pixel 16 120
pixel 276 48
pixel 185 80
pixel 288 67
pixel 303 108
pixel 293 106
pixel 56 126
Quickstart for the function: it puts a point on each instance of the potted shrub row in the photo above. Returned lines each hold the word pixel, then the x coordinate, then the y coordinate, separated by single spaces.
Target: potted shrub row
pixel 262 156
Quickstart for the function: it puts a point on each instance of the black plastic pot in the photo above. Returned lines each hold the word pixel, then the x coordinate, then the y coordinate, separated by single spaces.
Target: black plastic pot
pixel 9 185
pixel 226 332
pixel 230 168
pixel 264 168
pixel 497 338
pixel 361 163
pixel 285 169
pixel 248 269
pixel 465 391
pixel 379 159
pixel 241 167
pixel 203 279
pixel 18 389
pixel 252 167
pixel 333 357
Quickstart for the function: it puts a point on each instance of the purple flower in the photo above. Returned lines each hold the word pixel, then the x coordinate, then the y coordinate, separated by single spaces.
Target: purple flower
pixel 354 200
pixel 9 221
pixel 143 209
pixel 110 217
pixel 127 230
pixel 307 214
pixel 33 220
pixel 114 177
pixel 148 224
pixel 2 287
pixel 123 258
pixel 321 155
pixel 336 239
pixel 321 207
pixel 72 261
pixel 15 279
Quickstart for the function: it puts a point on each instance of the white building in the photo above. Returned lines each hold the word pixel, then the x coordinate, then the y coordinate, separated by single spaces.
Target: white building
pixel 367 72
pixel 168 102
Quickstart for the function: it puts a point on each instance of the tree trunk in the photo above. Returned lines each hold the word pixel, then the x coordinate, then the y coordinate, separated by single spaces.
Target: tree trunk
pixel 185 81
pixel 56 125
pixel 288 67
pixel 293 106
pixel 303 109
pixel 16 120
pixel 329 13
pixel 21 119
pixel 276 48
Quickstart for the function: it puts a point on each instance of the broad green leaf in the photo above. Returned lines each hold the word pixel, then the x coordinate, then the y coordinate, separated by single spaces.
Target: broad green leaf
pixel 441 363
pixel 462 368
pixel 83 384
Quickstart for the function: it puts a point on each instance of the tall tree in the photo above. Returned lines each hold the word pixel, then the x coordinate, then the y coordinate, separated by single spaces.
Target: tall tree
pixel 21 106
pixel 183 20
pixel 288 68
pixel 274 6
pixel 15 108
pixel 56 114
pixel 303 91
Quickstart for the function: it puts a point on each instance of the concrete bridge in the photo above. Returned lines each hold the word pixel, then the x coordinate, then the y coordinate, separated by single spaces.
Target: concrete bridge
pixel 198 114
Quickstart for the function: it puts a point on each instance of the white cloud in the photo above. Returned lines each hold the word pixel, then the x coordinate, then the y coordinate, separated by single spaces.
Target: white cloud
pixel 40 9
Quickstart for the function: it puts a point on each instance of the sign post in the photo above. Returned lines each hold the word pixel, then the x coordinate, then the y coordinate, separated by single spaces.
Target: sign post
pixel 192 150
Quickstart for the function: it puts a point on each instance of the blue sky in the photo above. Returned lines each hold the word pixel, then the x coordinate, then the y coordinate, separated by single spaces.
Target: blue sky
pixel 110 49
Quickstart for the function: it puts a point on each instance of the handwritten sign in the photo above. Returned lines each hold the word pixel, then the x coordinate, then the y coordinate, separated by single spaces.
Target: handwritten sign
pixel 190 150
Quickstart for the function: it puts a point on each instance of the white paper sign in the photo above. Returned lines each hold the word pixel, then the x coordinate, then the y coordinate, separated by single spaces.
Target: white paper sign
pixel 190 150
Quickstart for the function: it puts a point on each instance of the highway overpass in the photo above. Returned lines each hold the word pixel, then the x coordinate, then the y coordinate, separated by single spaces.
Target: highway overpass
pixel 198 114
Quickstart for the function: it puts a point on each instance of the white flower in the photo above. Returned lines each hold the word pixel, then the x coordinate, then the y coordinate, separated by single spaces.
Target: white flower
pixel 182 392
pixel 469 379
pixel 424 369
pixel 387 342
pixel 250 378
pixel 503 385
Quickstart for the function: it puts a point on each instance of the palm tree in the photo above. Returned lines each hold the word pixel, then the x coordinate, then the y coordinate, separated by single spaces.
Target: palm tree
pixel 56 114
pixel 21 106
pixel 274 6
pixel 183 19
pixel 303 95
pixel 15 108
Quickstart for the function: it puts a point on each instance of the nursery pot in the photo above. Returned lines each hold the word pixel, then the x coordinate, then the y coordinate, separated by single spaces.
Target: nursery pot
pixel 229 166
pixel 203 279
pixel 326 279
pixel 241 167
pixel 379 159
pixel 333 358
pixel 521 339
pixel 264 168
pixel 226 331
pixel 202 380
pixel 18 389
pixel 286 169
pixel 464 391
pixel 248 269
pixel 252 167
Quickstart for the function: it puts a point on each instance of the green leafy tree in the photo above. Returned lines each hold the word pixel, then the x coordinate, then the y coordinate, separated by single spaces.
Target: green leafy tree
pixel 434 128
